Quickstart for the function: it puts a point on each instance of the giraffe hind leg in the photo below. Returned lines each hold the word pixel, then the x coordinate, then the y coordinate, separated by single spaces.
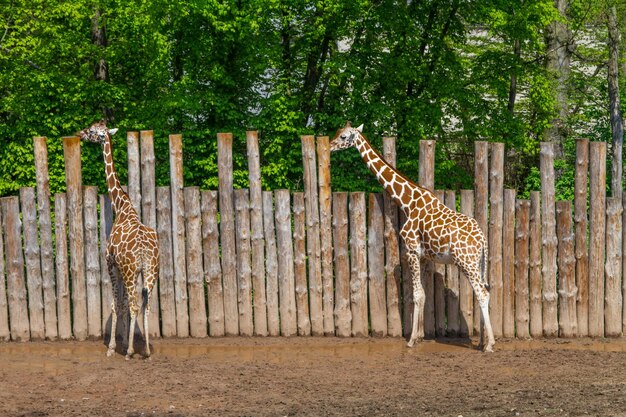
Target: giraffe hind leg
pixel 419 297
pixel 481 289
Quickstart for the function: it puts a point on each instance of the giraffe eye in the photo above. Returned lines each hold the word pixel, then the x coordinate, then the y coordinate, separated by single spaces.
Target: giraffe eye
pixel 343 136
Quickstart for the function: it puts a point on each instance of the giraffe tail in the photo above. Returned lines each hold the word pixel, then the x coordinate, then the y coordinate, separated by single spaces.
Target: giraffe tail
pixel 483 266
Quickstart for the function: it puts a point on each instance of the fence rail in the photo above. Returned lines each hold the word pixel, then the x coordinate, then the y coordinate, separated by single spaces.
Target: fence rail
pixel 253 262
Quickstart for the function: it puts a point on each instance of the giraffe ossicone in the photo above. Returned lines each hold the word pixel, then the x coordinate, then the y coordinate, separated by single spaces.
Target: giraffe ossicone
pixel 132 248
pixel 432 231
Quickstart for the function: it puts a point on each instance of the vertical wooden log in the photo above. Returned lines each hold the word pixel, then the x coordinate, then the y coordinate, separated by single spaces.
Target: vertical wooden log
pixel 286 286
pixel 166 268
pixel 195 271
pixel 581 224
pixel 481 191
pixel 45 237
pixel 452 283
pixel 534 257
pixel 496 190
pixel 271 265
pixel 73 180
pixel 597 223
pixel 392 261
pixel 623 264
pixel 326 234
pixel 427 180
pixel 64 317
pixel 148 211
pixel 256 235
pixel 439 288
pixel 242 239
pixel 299 263
pixel 508 264
pixel 548 237
pixel 5 331
pixel 613 268
pixel 466 292
pixel 358 265
pixel 106 223
pixel 178 235
pixel 313 234
pixel 92 262
pixel 33 263
pixel 376 266
pixel 343 315
pixel 227 232
pixel 16 286
pixel 566 262
pixel 212 266
pixel 522 318
pixel 134 170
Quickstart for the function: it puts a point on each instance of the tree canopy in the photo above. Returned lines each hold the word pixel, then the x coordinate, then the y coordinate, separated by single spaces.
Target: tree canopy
pixel 449 70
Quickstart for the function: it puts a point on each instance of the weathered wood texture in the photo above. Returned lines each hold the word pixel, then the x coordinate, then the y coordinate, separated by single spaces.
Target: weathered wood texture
pixel 212 265
pixel 392 260
pixel 508 264
pixel 45 237
pixel 271 265
pixel 5 330
pixel 522 233
pixel 242 240
pixel 343 314
pixel 549 240
pixel 597 228
pixel 376 266
pixel 566 264
pixel 534 261
pixel 178 235
pixel 195 269
pixel 92 262
pixel 62 268
pixel 481 199
pixel 358 264
pixel 496 190
pixel 134 170
pixel 299 264
pixel 16 284
pixel 257 243
pixel 284 243
pixel 73 181
pixel 227 232
pixel 313 235
pixel 166 269
pixel 613 268
pixel 581 224
pixel 326 233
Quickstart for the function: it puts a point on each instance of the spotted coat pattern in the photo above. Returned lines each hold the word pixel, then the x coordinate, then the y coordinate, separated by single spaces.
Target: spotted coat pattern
pixel 132 248
pixel 431 231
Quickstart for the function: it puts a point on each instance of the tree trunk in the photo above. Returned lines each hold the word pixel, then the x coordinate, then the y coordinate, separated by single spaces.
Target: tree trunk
pixel 617 128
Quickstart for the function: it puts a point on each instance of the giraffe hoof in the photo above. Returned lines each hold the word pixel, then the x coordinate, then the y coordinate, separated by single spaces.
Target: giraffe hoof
pixel 110 352
pixel 488 348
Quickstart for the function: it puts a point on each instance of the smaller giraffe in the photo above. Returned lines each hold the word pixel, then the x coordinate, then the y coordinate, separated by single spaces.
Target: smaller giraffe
pixel 432 231
pixel 132 248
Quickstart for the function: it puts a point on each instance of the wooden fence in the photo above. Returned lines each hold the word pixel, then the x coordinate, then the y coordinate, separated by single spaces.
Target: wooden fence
pixel 312 262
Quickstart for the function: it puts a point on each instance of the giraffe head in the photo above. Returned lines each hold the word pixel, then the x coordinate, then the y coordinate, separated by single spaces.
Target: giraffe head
pixel 97 132
pixel 344 138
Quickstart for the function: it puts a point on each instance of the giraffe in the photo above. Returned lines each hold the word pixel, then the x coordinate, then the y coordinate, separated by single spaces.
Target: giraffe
pixel 431 231
pixel 132 248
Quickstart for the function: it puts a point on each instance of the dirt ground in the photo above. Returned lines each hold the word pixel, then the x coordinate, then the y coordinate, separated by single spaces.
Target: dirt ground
pixel 315 376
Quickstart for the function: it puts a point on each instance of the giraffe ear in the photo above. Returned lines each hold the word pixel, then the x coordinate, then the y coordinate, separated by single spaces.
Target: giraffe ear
pixel 360 128
pixel 113 131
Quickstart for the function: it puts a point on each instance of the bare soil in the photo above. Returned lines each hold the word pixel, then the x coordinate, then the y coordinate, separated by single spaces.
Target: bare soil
pixel 315 376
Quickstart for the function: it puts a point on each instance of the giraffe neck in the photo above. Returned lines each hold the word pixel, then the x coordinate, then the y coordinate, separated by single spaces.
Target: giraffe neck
pixel 402 190
pixel 119 199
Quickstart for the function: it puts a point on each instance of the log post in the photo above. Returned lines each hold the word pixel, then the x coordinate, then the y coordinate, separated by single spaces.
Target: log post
pixel 5 330
pixel 299 263
pixel 597 223
pixel 256 235
pixel 613 268
pixel 343 315
pixel 566 263
pixel 227 232
pixel 64 317
pixel 358 264
pixel 33 263
pixel 496 190
pixel 534 258
pixel 581 225
pixel 286 286
pixel 71 150
pixel 212 266
pixel 481 194
pixel 522 224
pixel 242 240
pixel 92 262
pixel 376 266
pixel 45 237
pixel 166 269
pixel 326 234
pixel 548 237
pixel 392 260
pixel 178 235
pixel 508 264
pixel 271 265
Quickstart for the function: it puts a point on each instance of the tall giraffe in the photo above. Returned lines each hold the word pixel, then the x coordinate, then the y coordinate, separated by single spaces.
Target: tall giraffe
pixel 431 231
pixel 132 248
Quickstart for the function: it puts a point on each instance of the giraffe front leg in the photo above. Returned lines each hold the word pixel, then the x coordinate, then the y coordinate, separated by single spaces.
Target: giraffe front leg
pixel 482 295
pixel 419 297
